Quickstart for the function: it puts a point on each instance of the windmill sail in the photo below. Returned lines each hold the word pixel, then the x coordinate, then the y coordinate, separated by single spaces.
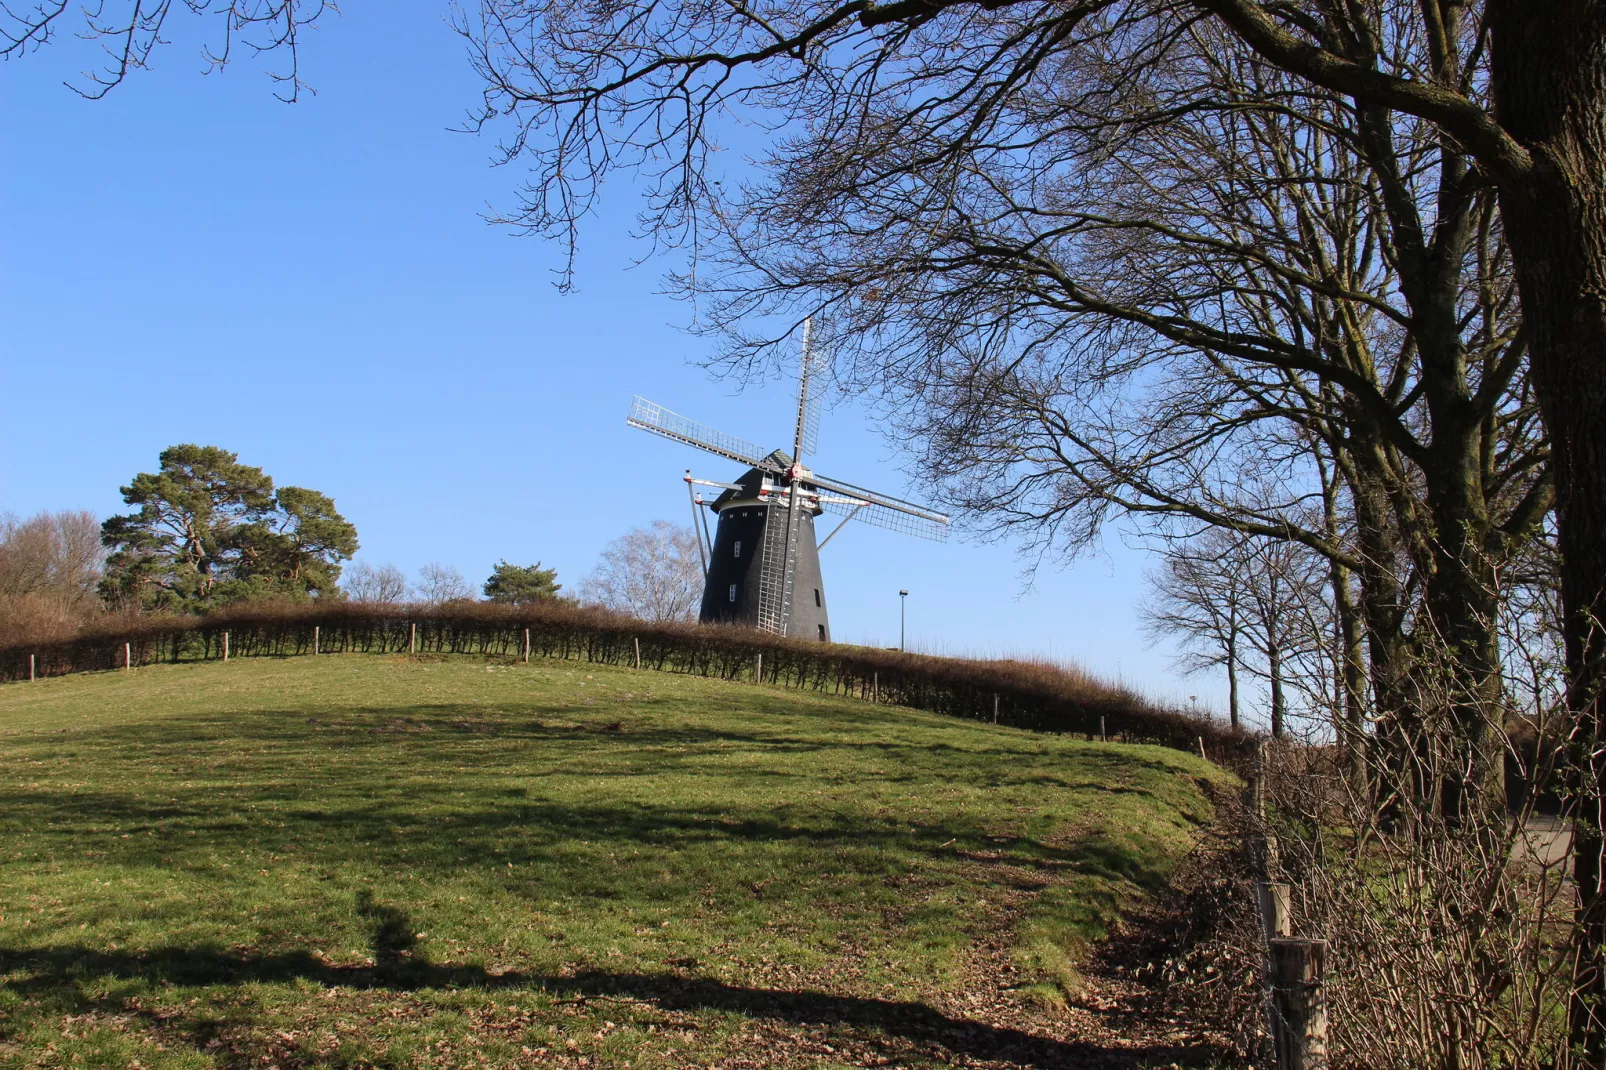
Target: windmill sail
pixel 881 510
pixel 651 416
pixel 807 439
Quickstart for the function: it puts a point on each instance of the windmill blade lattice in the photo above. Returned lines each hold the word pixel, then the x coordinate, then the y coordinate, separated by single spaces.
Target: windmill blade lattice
pixel 651 416
pixel 882 511
pixel 807 439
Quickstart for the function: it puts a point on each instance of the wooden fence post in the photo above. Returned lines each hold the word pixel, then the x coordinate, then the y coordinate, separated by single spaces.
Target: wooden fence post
pixel 875 688
pixel 128 656
pixel 30 668
pixel 1265 840
pixel 1298 1005
pixel 526 646
pixel 225 646
pixel 314 639
pixel 758 673
pixel 638 652
pixel 1201 750
pixel 995 709
pixel 412 638
pixel 1104 737
pixel 1276 909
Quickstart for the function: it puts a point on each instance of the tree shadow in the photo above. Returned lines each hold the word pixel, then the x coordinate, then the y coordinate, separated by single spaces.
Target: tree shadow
pixel 517 829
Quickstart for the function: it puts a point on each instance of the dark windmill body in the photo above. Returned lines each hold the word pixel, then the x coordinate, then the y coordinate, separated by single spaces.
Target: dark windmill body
pixel 762 566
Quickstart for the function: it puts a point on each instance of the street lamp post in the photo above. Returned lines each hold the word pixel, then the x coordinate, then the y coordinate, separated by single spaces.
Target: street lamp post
pixel 903 600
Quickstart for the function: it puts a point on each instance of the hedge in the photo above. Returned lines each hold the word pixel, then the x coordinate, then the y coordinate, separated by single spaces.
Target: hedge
pixel 1026 695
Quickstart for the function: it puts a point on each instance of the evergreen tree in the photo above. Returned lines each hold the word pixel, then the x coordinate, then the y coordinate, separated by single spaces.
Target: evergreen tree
pixel 208 531
pixel 520 585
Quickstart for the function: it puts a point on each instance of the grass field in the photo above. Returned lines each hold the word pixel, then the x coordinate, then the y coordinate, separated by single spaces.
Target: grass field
pixel 370 861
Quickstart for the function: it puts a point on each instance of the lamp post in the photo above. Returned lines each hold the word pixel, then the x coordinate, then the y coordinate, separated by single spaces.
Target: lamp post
pixel 903 600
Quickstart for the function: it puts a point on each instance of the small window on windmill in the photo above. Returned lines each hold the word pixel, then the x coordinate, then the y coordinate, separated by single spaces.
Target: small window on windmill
pixel 733 592
pixel 738 548
pixel 822 628
pixel 817 603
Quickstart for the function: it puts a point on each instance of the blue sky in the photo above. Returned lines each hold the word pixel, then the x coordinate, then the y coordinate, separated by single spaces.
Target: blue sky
pixel 314 287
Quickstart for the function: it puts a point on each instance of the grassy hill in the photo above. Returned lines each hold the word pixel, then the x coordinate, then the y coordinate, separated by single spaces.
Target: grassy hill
pixel 372 861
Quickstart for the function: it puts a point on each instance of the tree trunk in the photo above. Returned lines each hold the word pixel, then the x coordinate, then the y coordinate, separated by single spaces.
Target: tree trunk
pixel 1549 86
pixel 1459 637
pixel 1383 613
pixel 1349 637
pixel 1232 664
pixel 1351 674
pixel 1274 662
pixel 1279 713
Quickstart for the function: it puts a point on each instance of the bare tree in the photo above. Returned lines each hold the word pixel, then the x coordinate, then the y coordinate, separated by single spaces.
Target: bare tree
pixel 50 565
pixel 363 582
pixel 1102 256
pixel 1251 606
pixel 129 31
pixel 58 555
pixel 1197 596
pixel 654 573
pixel 911 146
pixel 438 584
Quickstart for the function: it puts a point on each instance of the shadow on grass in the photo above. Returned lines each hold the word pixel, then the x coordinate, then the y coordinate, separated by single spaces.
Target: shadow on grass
pixel 392 798
pixel 527 832
pixel 59 976
pixel 539 720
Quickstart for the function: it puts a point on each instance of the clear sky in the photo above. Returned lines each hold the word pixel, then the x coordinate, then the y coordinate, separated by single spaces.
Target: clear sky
pixel 314 287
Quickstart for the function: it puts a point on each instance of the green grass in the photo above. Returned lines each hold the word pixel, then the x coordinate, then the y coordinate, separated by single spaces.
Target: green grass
pixel 367 861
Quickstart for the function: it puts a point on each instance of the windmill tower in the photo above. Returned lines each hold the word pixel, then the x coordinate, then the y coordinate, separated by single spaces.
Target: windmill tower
pixel 762 567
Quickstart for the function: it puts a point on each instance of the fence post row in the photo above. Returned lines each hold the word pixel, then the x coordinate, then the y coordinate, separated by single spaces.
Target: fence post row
pixel 942 690
pixel 1296 1006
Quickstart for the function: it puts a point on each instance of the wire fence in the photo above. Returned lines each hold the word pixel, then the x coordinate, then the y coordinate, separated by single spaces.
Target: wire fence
pixel 1019 694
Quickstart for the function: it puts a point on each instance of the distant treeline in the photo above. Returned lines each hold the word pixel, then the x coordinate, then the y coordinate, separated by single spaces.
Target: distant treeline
pixel 1022 694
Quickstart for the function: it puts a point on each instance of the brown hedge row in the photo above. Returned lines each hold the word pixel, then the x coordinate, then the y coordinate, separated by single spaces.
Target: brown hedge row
pixel 1025 695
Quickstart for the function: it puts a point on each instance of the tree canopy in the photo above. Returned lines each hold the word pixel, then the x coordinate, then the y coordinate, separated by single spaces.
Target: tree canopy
pixel 208 531
pixel 520 585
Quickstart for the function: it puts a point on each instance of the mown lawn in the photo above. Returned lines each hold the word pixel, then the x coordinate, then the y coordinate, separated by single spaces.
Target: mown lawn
pixel 369 861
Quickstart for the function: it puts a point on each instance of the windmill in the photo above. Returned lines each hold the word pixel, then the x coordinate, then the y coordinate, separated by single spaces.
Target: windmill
pixel 762 566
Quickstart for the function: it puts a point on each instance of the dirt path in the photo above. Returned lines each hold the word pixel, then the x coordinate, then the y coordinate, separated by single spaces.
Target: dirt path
pixel 1130 1012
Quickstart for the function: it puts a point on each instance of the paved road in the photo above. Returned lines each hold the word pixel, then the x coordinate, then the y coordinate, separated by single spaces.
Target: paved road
pixel 1545 841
